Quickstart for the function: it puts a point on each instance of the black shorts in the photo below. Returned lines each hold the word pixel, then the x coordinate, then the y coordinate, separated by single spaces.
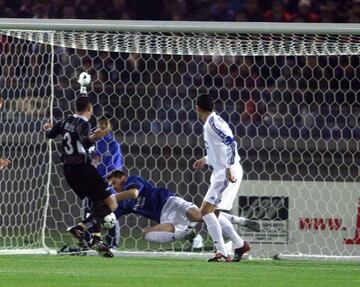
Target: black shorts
pixel 86 182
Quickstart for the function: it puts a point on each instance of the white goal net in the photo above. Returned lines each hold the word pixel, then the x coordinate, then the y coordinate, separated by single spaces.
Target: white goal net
pixel 291 99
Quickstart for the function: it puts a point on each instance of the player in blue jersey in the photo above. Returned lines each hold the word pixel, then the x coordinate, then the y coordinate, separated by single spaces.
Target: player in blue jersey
pixel 107 150
pixel 139 196
pixel 107 157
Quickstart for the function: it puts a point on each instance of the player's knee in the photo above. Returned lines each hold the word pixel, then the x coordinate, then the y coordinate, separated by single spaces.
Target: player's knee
pixel 204 211
pixel 194 214
pixel 207 208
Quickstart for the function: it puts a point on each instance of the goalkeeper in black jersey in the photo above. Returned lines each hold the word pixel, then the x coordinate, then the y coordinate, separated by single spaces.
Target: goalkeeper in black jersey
pixel 80 174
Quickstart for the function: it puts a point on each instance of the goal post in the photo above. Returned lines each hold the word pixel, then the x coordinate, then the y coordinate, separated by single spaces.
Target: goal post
pixel 289 92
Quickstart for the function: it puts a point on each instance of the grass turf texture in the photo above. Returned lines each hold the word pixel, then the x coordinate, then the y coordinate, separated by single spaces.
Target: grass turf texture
pixel 66 271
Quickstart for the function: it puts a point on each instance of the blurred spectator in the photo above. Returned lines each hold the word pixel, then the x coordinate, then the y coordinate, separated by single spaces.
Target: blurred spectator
pixel 56 8
pixel 5 11
pixel 40 10
pixel 175 9
pixel 253 11
pixel 69 12
pixel 277 13
pixel 329 12
pixel 305 13
pixel 249 114
pixel 25 10
pixel 4 163
pixel 147 10
pixel 354 13
pixel 236 5
pixel 119 10
pixel 241 16
pixel 291 6
pixel 220 11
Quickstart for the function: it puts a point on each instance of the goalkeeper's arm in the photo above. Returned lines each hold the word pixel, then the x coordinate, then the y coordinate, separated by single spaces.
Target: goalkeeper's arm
pixel 131 193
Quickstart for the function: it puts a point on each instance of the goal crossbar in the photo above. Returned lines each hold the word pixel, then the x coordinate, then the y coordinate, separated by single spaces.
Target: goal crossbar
pixel 189 38
pixel 179 26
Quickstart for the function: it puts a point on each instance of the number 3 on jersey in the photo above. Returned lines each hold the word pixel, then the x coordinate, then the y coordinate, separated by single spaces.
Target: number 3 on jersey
pixel 68 145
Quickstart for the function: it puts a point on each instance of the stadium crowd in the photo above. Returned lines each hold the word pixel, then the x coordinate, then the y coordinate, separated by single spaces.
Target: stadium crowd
pixel 310 98
pixel 328 11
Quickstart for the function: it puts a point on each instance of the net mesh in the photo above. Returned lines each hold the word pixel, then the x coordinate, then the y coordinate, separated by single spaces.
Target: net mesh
pixel 198 43
pixel 291 100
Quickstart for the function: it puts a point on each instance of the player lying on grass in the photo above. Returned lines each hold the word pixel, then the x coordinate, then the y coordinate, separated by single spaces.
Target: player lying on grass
pixel 79 173
pixel 139 196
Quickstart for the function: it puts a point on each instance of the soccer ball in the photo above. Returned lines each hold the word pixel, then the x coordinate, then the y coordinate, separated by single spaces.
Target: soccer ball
pixel 84 79
pixel 109 221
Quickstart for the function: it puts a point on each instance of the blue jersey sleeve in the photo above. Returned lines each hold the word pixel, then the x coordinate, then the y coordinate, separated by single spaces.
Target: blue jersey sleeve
pixel 122 208
pixel 150 200
pixel 110 152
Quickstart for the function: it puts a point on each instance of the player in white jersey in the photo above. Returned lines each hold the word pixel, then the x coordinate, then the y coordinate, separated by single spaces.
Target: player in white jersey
pixel 223 157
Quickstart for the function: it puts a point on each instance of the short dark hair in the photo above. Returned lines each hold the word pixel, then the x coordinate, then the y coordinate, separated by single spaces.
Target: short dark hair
pixel 82 103
pixel 115 173
pixel 205 102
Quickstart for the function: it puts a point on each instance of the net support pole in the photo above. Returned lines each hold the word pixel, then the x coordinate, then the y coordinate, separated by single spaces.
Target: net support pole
pixel 48 184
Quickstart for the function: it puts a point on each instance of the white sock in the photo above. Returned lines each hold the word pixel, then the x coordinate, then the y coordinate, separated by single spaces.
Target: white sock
pixel 229 231
pixel 160 236
pixel 235 219
pixel 214 230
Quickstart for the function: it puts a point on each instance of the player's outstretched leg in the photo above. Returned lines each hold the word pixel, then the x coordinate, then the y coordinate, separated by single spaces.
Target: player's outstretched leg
pixel 166 232
pixel 78 233
pixel 251 224
pixel 97 244
pixel 100 210
pixel 189 233
pixel 241 247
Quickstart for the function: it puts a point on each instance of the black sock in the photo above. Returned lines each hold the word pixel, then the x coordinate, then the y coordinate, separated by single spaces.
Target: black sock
pixel 96 237
pixel 95 228
pixel 79 227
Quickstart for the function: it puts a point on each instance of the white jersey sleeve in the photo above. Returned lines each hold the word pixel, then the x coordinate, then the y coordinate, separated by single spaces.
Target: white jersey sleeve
pixel 221 147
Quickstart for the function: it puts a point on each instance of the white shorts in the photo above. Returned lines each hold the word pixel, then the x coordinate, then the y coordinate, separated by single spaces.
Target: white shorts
pixel 222 192
pixel 174 212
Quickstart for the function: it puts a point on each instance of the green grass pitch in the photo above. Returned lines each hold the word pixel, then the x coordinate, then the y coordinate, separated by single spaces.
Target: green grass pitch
pixel 89 271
